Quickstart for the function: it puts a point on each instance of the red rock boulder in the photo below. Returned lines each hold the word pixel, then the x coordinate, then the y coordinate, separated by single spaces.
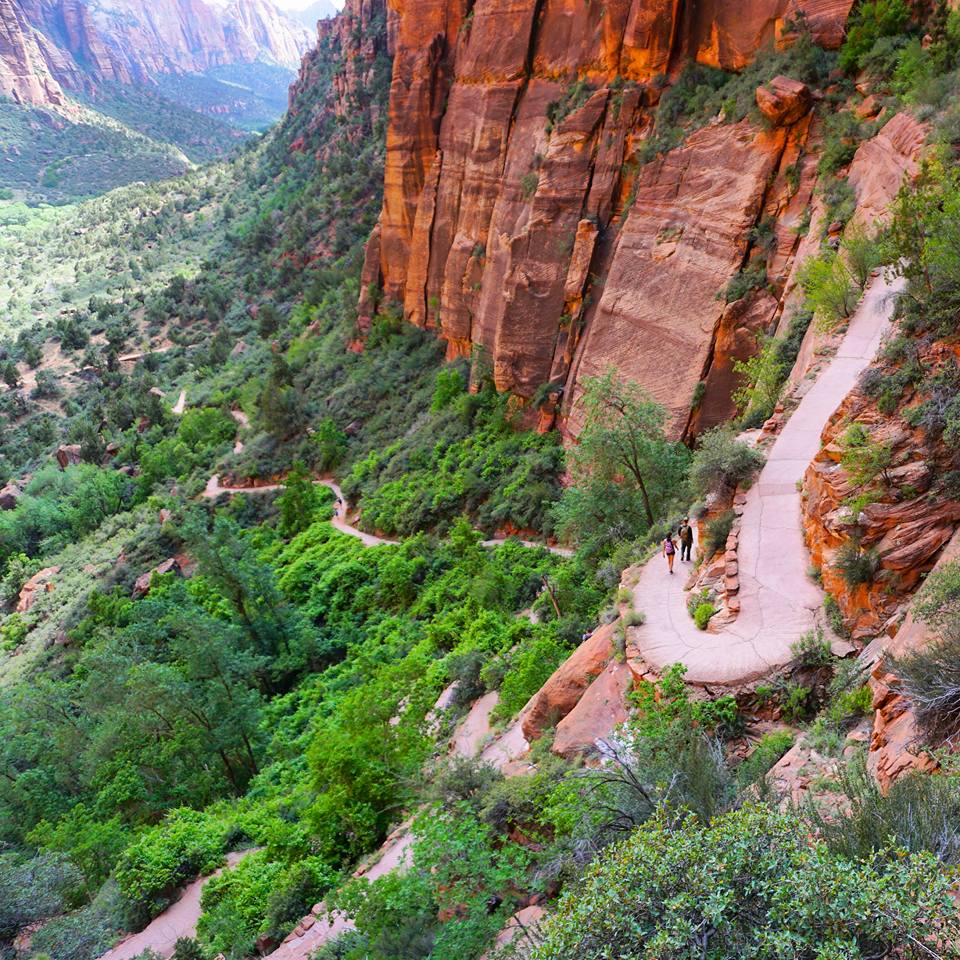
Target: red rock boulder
pixel 9 496
pixel 39 583
pixel 142 587
pixel 68 454
pixel 562 692
pixel 784 101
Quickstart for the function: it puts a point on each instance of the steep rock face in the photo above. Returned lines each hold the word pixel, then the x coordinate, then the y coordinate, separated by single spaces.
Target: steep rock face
pixel 49 44
pixel 25 74
pixel 684 238
pixel 906 526
pixel 896 741
pixel 511 122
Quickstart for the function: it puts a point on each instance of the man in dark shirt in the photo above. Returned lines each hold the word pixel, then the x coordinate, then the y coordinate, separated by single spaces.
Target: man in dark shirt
pixel 686 539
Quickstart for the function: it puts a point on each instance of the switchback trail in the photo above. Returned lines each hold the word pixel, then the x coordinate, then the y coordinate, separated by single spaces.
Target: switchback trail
pixel 341 515
pixel 778 601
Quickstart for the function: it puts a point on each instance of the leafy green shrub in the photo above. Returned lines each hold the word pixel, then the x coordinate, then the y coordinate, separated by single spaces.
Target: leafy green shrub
pixel 855 565
pixel 667 704
pixel 528 672
pixel 329 444
pixel 864 459
pixel 33 889
pixel 750 278
pixel 187 948
pixel 796 702
pixel 869 23
pixel 256 896
pixel 721 462
pixel 702 615
pixel 449 387
pixel 753 881
pixel 930 676
pixel 812 650
pixel 831 294
pixel 835 615
pixel 918 814
pixel 770 748
pixel 187 844
pixel 718 530
pixel 763 375
pixel 84 934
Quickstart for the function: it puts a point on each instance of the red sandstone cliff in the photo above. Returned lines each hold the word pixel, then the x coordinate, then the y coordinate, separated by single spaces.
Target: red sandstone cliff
pixel 509 231
pixel 47 45
pixel 25 72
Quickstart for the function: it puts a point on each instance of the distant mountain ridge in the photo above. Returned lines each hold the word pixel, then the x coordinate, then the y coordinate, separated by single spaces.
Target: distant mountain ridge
pixel 49 46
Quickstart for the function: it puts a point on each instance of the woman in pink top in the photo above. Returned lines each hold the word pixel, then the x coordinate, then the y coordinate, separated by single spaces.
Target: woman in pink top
pixel 669 550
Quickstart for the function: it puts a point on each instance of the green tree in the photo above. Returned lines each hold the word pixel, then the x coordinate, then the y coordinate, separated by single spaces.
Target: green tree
pixel 625 470
pixel 299 501
pixel 330 443
pixel 829 288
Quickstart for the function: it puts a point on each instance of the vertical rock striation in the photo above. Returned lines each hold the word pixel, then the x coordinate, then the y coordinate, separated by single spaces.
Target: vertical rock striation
pixel 513 130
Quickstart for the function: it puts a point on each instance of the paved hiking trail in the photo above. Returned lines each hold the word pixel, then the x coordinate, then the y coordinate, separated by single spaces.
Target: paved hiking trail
pixel 178 920
pixel 341 514
pixel 778 602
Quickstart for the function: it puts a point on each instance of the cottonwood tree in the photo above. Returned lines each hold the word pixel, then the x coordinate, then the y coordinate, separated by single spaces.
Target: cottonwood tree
pixel 625 469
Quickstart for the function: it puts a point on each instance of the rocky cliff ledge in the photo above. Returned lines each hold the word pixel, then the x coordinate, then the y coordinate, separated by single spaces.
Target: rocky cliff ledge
pixel 521 221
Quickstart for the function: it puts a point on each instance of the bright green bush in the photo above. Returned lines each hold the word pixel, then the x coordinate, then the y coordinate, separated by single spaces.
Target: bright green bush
pixel 721 462
pixel 752 884
pixel 186 845
pixel 869 23
pixel 702 615
pixel 528 671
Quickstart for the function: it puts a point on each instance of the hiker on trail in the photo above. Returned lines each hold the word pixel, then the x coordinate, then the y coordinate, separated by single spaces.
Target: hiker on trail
pixel 686 539
pixel 669 550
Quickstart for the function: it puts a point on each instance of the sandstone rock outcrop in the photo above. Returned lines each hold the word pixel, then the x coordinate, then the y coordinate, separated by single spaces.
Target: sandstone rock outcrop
pixel 784 101
pixel 601 709
pixel 562 692
pixel 514 220
pixel 25 74
pixel 40 582
pixel 895 741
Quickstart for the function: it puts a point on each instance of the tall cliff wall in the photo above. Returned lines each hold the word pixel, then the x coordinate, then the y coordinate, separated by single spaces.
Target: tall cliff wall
pixel 505 220
pixel 48 45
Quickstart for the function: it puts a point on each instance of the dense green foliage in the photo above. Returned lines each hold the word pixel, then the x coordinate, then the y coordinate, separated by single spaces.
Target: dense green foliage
pixel 750 884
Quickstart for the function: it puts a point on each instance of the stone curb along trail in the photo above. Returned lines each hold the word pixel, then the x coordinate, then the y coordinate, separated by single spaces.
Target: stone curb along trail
pixel 778 601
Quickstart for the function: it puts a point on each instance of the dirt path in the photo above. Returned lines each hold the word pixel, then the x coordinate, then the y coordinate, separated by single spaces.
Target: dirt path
pixel 778 601
pixel 341 514
pixel 181 404
pixel 178 920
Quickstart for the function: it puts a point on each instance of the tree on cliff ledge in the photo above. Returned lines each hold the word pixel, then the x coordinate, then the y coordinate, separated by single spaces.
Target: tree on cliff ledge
pixel 626 472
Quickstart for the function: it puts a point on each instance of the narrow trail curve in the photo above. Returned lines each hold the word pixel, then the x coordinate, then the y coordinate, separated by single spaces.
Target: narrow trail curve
pixel 341 515
pixel 778 601
pixel 178 920
pixel 181 404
